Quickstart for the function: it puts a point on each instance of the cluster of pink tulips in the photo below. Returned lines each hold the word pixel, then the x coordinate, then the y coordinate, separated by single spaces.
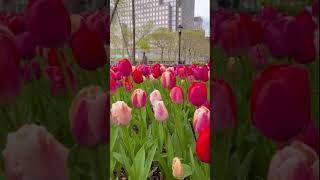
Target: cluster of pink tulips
pixel 160 89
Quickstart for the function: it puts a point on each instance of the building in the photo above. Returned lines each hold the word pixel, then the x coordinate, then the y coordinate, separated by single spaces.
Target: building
pixel 162 13
pixel 197 23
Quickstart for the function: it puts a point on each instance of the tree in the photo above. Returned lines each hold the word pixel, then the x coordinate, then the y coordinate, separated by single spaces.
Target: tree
pixel 161 38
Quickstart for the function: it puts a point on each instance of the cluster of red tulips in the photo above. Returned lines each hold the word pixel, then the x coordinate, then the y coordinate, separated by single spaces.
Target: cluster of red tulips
pixel 266 74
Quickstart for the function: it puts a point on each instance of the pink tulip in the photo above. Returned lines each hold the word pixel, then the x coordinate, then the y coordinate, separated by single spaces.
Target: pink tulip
pixel 33 153
pixel 168 80
pixel 155 96
pixel 176 95
pixel 121 113
pixel 88 117
pixel 139 98
pixel 201 119
pixel 294 162
pixel 160 111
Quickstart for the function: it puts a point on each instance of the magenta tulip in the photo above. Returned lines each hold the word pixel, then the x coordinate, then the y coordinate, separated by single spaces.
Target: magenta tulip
pixel 139 98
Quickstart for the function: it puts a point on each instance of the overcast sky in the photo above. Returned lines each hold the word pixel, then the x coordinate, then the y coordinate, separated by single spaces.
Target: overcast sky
pixel 202 8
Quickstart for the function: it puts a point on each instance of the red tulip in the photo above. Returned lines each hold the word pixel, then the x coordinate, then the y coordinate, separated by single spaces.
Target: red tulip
pixel 281 102
pixel 58 81
pixel 31 70
pixel 224 106
pixel 203 146
pixel 113 82
pixel 128 84
pixel 176 95
pixel 48 22
pixel 91 54
pixel 10 79
pixel 168 80
pixel 137 76
pixel 156 71
pixel 197 93
pixel 26 45
pixel 203 73
pixel 253 28
pixel 124 67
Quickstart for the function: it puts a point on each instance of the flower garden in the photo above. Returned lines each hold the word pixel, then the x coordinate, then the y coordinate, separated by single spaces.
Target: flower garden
pixel 160 121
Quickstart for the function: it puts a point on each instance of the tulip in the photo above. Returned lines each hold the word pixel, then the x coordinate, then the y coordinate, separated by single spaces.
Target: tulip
pixel 124 67
pixel 177 168
pixel 203 73
pixel 160 111
pixel 128 84
pixel 48 22
pixel 294 162
pixel 197 93
pixel 31 71
pixel 176 95
pixel 258 56
pixel 121 113
pixel 139 98
pixel 201 119
pixel 156 71
pixel 155 96
pixel 17 25
pixel 99 21
pixel 10 79
pixel 90 55
pixel 276 112
pixel 168 80
pixel 58 82
pixel 26 45
pixel 113 82
pixel 145 70
pixel 33 153
pixel 137 76
pixel 87 116
pixel 224 106
pixel 203 146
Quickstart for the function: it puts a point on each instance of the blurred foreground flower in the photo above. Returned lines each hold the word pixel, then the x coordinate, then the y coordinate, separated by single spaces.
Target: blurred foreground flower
pixel 88 117
pixel 203 146
pixel 33 153
pixel 294 162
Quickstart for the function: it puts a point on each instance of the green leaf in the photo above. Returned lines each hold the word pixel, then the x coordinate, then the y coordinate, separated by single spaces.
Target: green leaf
pixel 121 159
pixel 139 162
pixel 187 170
pixel 243 172
pixel 149 161
pixel 113 138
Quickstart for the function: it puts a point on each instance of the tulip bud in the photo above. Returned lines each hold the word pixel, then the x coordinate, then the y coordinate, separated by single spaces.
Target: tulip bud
pixel 121 113
pixel 197 93
pixel 177 168
pixel 160 111
pixel 203 146
pixel 155 96
pixel 176 95
pixel 201 119
pixel 168 80
pixel 90 55
pixel 139 98
pixel 294 162
pixel 33 153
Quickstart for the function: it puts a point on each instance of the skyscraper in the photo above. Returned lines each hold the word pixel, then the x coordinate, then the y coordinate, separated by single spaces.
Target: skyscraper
pixel 163 13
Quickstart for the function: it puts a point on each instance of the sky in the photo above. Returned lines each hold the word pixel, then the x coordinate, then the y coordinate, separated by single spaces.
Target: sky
pixel 202 8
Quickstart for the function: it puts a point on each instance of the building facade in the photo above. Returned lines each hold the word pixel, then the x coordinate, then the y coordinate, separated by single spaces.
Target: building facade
pixel 197 23
pixel 162 13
